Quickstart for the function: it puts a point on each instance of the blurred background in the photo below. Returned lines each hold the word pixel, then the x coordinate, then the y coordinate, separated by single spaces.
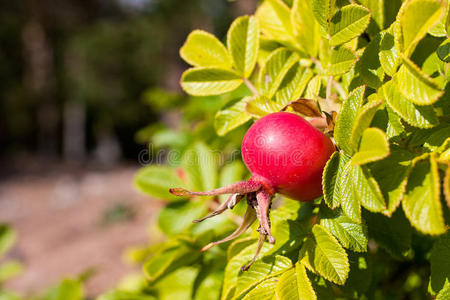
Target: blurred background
pixel 89 92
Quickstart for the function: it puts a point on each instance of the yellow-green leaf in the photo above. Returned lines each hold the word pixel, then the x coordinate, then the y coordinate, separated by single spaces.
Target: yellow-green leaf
pixel 416 17
pixel 417 86
pixel 203 49
pixel 373 146
pixel 231 116
pixel 362 121
pixel 421 202
pixel 205 81
pixel 331 179
pixel 341 60
pixel 389 53
pixel 323 254
pixel 347 23
pixel 295 284
pixel 261 106
pixel 443 51
pixel 274 70
pixel 243 44
pixel 305 27
pixel 413 114
pixel 293 84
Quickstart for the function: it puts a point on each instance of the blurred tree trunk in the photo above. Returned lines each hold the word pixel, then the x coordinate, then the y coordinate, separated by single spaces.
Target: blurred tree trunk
pixel 40 77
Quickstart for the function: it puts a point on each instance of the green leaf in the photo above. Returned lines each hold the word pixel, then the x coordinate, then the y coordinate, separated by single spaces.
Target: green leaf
pixel 350 204
pixel 203 49
pixel 440 263
pixel 352 235
pixel 157 180
pixel 206 81
pixel 67 289
pixel 362 122
pixel 323 10
pixel 373 146
pixel 272 26
pixel 417 86
pixel 274 70
pixel 230 173
pixel 366 189
pixel 370 67
pixel 170 258
pixel 200 164
pixel 305 27
pixel 7 238
pixel 264 290
pixel 313 88
pixel 243 44
pixel 445 292
pixel 416 17
pixel 177 217
pixel 389 54
pixel 443 51
pixel 231 116
pixel 331 179
pixel 295 284
pixel 415 115
pixel 262 270
pixel 261 106
pixel 391 174
pixel 421 202
pixel 283 13
pixel 347 23
pixel 324 255
pixel 341 61
pixel 346 118
pixel 293 84
pixel 392 233
pixel 10 269
pixel 360 276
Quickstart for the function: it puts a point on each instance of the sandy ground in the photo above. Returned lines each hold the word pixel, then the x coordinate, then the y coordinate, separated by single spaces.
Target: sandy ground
pixel 61 216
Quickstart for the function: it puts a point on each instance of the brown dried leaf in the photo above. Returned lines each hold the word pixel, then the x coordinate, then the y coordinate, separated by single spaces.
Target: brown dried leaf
pixel 306 107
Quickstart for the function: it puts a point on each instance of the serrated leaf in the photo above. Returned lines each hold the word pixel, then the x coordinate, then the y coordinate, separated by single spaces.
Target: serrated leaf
pixel 421 202
pixel 362 122
pixel 417 86
pixel 263 269
pixel 416 17
pixel 243 44
pixel 264 290
pixel 203 49
pixel 351 235
pixel 295 284
pixel 283 13
pixel 440 263
pixel 447 186
pixel 157 180
pixel 323 10
pixel 293 84
pixel 324 255
pixel 415 115
pixel 439 30
pixel 231 116
pixel 350 204
pixel 391 174
pixel 261 106
pixel 313 88
pixel 373 146
pixel 331 179
pixel 347 23
pixel 366 189
pixel 341 60
pixel 389 54
pixel 305 27
pixel 346 118
pixel 200 164
pixel 274 70
pixel 392 233
pixel 443 51
pixel 206 81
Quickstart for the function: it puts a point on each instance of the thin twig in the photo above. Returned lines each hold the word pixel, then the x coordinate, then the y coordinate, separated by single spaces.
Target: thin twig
pixel 339 89
pixel 251 87
pixel 329 86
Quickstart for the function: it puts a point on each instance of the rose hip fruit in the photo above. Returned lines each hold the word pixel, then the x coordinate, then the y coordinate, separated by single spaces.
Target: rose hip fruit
pixel 285 155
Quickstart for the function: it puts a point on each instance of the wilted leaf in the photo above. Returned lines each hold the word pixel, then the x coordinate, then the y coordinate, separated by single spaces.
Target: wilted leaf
pixel 306 107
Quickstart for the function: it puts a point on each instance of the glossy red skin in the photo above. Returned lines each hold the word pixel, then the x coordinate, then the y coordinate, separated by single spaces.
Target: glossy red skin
pixel 284 152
